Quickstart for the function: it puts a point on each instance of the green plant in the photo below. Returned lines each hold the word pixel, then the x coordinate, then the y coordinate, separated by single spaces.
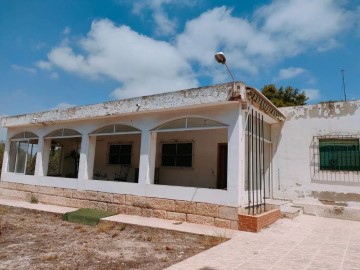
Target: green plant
pixel 34 199
pixel 86 216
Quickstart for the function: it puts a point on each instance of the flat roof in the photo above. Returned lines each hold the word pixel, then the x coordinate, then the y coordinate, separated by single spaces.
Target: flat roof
pixel 209 95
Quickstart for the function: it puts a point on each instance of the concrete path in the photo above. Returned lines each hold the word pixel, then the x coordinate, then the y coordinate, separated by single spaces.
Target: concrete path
pixel 36 206
pixel 307 242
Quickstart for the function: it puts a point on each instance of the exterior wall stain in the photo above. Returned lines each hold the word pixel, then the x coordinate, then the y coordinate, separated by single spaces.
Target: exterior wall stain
pixel 336 197
pixel 323 110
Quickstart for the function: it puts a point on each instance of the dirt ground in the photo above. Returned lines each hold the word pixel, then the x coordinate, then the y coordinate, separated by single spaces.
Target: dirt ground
pixel 38 240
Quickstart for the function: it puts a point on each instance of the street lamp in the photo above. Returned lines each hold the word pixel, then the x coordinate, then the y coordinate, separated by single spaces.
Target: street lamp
pixel 220 58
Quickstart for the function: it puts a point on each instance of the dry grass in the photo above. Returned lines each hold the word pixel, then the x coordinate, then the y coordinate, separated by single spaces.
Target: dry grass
pixel 33 240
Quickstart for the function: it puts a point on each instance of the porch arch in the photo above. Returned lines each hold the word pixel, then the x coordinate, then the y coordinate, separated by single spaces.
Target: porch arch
pixel 189 123
pixel 25 135
pixel 63 133
pixel 115 129
pixel 23 151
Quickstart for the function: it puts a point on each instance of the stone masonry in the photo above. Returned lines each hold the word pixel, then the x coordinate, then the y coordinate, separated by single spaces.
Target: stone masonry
pixel 182 211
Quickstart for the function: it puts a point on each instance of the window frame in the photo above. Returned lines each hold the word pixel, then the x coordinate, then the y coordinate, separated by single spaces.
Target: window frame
pixel 121 144
pixel 325 161
pixel 176 155
pixel 27 163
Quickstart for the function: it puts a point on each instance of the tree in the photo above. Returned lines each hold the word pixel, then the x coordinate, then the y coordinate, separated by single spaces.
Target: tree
pixel 2 147
pixel 284 98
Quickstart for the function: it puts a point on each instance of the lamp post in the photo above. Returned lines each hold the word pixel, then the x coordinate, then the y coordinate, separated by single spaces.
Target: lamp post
pixel 220 58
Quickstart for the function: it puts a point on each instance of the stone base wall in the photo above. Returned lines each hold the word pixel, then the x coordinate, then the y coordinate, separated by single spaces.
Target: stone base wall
pixel 255 223
pixel 194 212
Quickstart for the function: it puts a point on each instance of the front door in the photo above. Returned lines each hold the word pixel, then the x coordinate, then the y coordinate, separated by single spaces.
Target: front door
pixel 222 166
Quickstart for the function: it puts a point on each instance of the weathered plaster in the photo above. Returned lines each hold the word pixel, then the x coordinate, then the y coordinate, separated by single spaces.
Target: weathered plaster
pixel 184 98
pixel 295 145
pixel 323 110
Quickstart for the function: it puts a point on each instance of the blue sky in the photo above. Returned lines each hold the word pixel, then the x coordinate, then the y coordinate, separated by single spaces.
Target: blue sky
pixel 61 53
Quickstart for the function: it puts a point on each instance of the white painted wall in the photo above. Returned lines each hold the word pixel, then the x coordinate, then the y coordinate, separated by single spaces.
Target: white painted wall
pixel 292 147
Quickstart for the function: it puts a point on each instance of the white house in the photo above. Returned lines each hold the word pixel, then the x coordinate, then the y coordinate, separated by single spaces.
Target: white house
pixel 196 155
pixel 178 155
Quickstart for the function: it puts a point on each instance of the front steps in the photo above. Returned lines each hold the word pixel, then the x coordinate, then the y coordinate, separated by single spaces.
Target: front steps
pixel 314 207
pixel 287 208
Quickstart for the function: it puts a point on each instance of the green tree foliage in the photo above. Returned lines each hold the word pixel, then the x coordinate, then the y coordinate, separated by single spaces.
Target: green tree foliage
pixel 284 97
pixel 2 147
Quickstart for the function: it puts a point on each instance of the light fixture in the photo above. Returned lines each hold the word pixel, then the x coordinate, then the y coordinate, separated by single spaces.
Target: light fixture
pixel 220 58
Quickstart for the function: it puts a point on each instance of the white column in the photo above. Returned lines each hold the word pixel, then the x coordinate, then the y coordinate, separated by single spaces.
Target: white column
pixel 91 157
pixel 5 164
pixel 147 157
pixel 236 152
pixel 45 156
pixel 83 166
pixel 39 159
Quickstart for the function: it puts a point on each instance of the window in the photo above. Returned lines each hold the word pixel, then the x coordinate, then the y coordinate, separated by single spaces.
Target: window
pixel 120 154
pixel 23 156
pixel 339 154
pixel 177 154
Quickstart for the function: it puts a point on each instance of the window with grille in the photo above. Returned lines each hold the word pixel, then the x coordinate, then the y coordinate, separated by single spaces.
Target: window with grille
pixel 177 154
pixel 339 154
pixel 120 154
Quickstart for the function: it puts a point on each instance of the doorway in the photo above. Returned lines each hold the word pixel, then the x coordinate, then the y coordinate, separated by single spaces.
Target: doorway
pixel 222 166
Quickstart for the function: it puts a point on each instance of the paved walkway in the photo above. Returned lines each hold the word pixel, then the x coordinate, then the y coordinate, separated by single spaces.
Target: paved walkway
pixel 307 242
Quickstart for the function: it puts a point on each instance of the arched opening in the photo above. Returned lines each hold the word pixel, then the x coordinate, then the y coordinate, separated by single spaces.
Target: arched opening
pixel 64 153
pixel 191 151
pixel 23 150
pixel 117 153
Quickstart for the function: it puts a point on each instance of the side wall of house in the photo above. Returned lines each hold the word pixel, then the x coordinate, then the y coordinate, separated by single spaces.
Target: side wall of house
pixel 296 170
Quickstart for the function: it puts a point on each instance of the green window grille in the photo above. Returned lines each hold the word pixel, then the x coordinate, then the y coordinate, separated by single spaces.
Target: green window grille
pixel 339 154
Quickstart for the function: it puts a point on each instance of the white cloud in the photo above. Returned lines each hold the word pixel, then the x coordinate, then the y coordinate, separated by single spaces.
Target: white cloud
pixel 63 106
pixel 164 25
pixel 288 73
pixel 54 75
pixel 43 65
pixel 299 24
pixel 23 69
pixel 276 32
pixel 141 64
pixel 66 31
pixel 312 94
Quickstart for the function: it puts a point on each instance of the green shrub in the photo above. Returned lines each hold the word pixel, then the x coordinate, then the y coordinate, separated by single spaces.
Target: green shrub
pixel 86 216
pixel 34 199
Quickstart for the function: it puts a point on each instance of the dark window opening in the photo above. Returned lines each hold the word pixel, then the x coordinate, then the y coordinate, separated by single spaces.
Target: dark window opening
pixel 177 155
pixel 120 154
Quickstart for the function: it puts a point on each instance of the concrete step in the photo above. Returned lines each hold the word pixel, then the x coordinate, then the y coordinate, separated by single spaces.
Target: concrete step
pixel 349 211
pixel 288 210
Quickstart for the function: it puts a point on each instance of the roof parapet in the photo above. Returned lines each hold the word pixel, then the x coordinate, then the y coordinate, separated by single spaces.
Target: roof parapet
pixel 264 104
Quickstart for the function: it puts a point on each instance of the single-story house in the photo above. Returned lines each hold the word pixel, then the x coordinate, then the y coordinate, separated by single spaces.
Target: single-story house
pixel 198 155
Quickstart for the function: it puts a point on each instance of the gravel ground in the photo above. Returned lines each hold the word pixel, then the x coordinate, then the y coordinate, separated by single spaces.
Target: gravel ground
pixel 38 240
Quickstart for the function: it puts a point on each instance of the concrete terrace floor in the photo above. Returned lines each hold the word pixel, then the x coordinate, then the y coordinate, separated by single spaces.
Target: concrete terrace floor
pixel 306 242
